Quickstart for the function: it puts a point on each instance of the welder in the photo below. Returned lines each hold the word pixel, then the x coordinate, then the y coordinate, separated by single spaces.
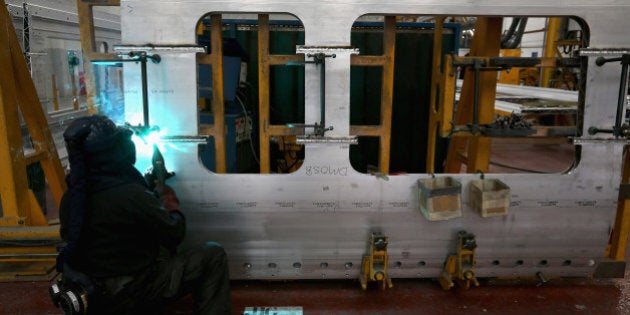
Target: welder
pixel 121 239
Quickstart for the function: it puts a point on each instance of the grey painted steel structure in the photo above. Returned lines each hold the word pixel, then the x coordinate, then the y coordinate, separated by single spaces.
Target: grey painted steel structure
pixel 322 215
pixel 57 20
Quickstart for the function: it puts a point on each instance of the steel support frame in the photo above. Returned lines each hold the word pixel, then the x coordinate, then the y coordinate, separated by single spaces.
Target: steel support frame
pixel 22 218
pixel 19 94
pixel 442 96
pixel 265 60
pixel 215 59
pixel 510 76
pixel 386 62
pixel 88 45
pixel 551 36
pixel 621 229
pixel 487 43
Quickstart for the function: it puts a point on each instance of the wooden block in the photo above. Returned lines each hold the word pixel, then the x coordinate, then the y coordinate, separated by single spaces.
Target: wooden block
pixel 489 197
pixel 440 198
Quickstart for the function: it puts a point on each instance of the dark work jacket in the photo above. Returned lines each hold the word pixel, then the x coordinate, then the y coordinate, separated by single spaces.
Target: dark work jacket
pixel 124 231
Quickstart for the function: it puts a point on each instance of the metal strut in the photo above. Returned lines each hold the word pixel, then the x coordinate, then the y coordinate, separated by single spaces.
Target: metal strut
pixel 619 129
pixel 374 265
pixel 319 59
pixel 142 57
pixel 460 267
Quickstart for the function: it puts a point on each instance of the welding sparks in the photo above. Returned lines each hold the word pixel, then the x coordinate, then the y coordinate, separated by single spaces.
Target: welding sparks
pixel 145 140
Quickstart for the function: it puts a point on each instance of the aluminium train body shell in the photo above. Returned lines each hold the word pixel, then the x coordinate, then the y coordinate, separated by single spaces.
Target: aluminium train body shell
pixel 315 223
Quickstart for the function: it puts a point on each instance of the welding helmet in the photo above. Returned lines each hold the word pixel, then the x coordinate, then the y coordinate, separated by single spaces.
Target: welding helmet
pixel 99 141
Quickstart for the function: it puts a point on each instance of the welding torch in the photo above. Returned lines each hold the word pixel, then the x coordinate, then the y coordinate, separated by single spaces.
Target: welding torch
pixel 157 174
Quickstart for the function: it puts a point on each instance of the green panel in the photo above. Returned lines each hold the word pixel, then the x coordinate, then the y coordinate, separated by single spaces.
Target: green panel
pixel 286 92
pixel 410 116
pixel 287 82
pixel 412 79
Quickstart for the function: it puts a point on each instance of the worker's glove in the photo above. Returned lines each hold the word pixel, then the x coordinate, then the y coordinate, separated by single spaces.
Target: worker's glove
pixel 168 197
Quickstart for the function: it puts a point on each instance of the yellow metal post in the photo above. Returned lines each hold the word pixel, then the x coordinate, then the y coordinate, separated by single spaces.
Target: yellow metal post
pixel 386 61
pixel 263 92
pixel 621 230
pixel 13 185
pixel 22 218
pixel 387 93
pixel 88 45
pixel 265 60
pixel 18 90
pixel 551 36
pixel 218 106
pixel 510 76
pixel 487 43
pixel 437 90
pixel 215 58
pixel 55 94
pixel 374 265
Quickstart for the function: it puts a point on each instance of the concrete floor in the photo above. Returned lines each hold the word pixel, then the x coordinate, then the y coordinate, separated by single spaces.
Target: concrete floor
pixel 409 296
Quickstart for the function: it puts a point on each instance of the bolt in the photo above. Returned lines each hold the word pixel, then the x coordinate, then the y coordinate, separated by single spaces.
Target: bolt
pixel 541 278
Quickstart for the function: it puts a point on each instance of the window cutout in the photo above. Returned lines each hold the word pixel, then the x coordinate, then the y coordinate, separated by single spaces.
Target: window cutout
pixel 257 143
pixel 364 155
pixel 522 122
pixel 287 100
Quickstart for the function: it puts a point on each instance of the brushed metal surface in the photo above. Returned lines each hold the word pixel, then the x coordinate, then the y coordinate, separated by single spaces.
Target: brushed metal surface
pixel 322 215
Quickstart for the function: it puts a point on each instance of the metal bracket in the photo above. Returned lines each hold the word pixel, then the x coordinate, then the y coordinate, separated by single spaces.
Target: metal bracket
pixel 137 56
pixel 587 141
pixel 374 265
pixel 187 139
pixel 318 139
pixel 162 49
pixel 460 267
pixel 619 129
pixel 319 54
pixel 594 52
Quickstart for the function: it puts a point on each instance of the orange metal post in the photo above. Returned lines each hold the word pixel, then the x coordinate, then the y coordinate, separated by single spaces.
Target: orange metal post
pixel 88 45
pixel 17 89
pixel 436 91
pixel 510 76
pixel 54 93
pixel 387 93
pixel 619 237
pixel 13 186
pixel 485 43
pixel 265 60
pixel 551 36
pixel 263 92
pixel 218 106
pixel 215 58
pixel 386 61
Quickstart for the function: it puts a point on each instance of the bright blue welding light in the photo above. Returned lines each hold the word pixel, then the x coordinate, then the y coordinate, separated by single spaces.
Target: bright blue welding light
pixel 144 143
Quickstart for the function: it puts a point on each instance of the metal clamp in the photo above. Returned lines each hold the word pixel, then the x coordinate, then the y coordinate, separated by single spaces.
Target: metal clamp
pixel 319 59
pixel 619 129
pixel 592 52
pixel 140 56
pixel 318 139
pixel 319 54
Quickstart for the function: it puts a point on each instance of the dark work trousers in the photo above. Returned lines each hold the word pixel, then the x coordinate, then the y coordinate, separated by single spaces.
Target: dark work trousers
pixel 202 271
